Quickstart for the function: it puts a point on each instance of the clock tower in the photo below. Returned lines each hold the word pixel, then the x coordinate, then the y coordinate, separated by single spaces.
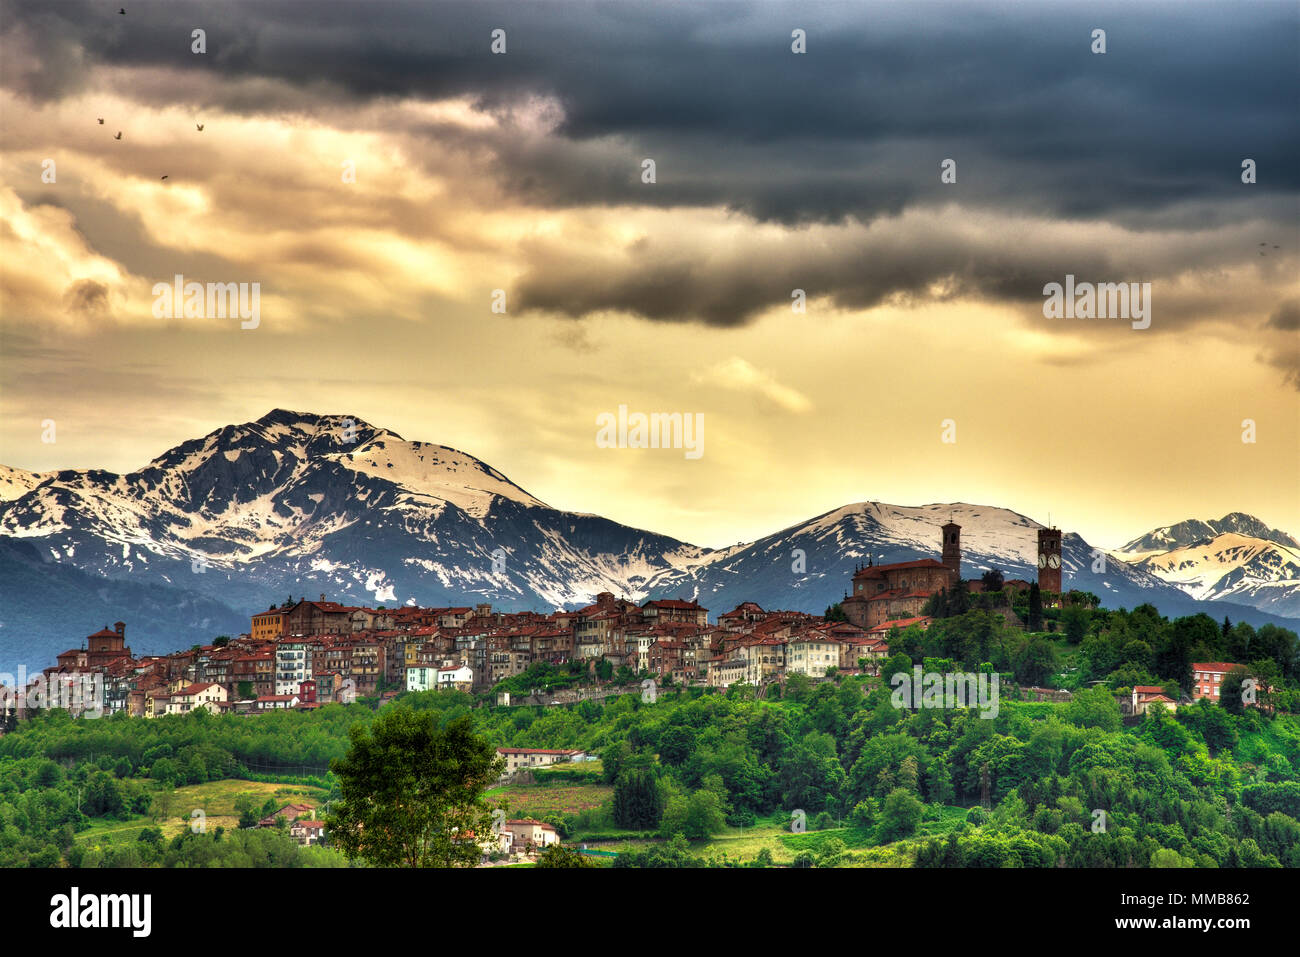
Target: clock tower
pixel 1049 560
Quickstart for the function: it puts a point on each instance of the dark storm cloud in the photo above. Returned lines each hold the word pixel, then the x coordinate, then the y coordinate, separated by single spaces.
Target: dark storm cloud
pixel 1287 316
pixel 902 262
pixel 854 128
pixel 1286 355
pixel 88 297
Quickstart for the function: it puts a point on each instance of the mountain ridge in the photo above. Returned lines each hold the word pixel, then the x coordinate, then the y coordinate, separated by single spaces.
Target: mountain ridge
pixel 307 503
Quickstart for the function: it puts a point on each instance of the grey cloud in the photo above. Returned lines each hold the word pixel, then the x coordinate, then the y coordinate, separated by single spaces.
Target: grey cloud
pixel 1286 316
pixel 854 128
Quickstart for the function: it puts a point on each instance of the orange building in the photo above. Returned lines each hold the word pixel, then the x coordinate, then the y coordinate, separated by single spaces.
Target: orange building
pixel 269 625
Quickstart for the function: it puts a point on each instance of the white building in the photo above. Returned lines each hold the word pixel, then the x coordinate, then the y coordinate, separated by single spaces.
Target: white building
pixel 291 668
pixel 530 834
pixel 811 654
pixel 461 678
pixel 190 698
pixel 421 677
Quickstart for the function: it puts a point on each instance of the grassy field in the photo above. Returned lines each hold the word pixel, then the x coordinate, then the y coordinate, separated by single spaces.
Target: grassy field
pixel 539 800
pixel 563 798
pixel 217 801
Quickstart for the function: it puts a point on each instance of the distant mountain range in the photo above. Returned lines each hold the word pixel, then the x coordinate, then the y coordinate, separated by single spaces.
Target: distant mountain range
pixel 301 504
pixel 1237 557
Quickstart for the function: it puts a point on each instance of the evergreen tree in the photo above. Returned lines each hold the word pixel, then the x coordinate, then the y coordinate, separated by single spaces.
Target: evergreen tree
pixel 638 802
pixel 1035 608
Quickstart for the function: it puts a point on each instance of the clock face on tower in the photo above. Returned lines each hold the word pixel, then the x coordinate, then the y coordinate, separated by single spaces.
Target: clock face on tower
pixel 1054 561
pixel 1042 561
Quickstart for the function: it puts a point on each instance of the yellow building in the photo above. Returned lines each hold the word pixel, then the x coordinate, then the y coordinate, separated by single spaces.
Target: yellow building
pixel 268 626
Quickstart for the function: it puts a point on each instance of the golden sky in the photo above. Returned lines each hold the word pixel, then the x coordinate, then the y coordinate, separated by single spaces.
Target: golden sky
pixel 923 303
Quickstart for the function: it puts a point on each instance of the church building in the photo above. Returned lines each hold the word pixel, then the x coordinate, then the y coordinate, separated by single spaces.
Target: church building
pixel 899 590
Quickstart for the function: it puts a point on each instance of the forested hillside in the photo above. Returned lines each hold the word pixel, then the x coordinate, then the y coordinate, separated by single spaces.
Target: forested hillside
pixel 1040 784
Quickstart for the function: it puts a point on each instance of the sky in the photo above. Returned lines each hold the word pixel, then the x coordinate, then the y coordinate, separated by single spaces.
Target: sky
pixel 386 178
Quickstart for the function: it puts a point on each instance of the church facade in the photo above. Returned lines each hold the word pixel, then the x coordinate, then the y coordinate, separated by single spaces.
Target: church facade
pixel 899 590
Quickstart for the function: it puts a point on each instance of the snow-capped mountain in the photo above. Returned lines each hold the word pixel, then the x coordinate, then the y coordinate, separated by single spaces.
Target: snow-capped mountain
pixel 308 503
pixel 1194 530
pixel 809 566
pixel 301 504
pixel 1238 558
pixel 16 482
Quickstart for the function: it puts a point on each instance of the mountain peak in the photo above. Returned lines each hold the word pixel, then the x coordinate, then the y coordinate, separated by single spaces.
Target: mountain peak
pixel 1194 530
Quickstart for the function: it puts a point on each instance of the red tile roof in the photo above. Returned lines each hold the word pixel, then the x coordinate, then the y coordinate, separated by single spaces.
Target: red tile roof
pixel 899 623
pixel 874 570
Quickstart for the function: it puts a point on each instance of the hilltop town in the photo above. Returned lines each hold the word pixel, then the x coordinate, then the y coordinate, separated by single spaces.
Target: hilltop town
pixel 307 653
pixel 302 655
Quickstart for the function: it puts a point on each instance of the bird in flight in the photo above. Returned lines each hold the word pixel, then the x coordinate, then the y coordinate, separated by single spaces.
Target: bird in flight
pixel 164 177
pixel 118 136
pixel 200 126
pixel 122 11
pixel 101 120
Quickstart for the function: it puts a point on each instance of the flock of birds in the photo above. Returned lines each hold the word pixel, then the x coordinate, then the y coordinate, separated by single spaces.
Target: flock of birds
pixel 198 126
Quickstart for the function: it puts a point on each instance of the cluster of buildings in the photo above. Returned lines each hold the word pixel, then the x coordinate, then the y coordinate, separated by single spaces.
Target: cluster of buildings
pixel 898 591
pixel 1207 678
pixel 303 654
pixel 303 826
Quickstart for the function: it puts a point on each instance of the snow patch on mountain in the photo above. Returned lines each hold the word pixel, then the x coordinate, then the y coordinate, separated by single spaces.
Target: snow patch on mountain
pixel 1237 567
pixel 18 482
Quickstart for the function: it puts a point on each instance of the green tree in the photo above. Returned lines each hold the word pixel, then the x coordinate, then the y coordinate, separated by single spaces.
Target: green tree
pixel 166 772
pixel 798 687
pixel 557 855
pixel 408 789
pixel 1230 690
pixel 638 802
pixel 1075 620
pixel 1094 708
pixel 939 783
pixel 832 853
pixel 1034 661
pixel 160 808
pixel 676 745
pixel 704 815
pixel 901 816
pixel 246 810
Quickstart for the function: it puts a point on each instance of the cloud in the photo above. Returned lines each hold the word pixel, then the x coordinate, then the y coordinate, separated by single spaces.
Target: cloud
pixel 1286 316
pixel 855 128
pixel 725 270
pixel 737 374
pixel 87 296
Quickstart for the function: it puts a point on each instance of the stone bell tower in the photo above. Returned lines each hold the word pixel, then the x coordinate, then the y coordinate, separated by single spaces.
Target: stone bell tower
pixel 952 549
